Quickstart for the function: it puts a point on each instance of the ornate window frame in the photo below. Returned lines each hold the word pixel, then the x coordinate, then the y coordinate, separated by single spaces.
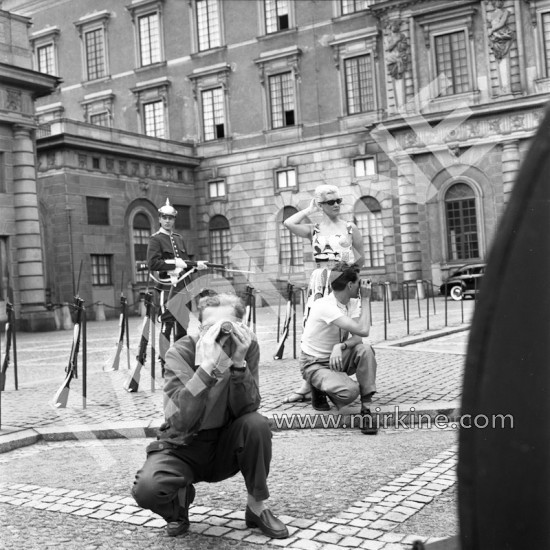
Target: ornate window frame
pixel 46 37
pixel 208 78
pixel 89 23
pixel 478 194
pixel 98 103
pixel 445 22
pixel 195 29
pixel 276 62
pixel 140 8
pixel 347 46
pixel 263 20
pixel 149 92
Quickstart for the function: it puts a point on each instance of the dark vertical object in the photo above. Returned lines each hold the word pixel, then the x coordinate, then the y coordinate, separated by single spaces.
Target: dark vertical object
pixel 152 338
pixel 84 358
pixel 132 383
pixel 62 394
pixel 504 474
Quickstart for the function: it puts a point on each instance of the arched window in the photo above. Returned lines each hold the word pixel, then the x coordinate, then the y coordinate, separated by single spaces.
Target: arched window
pixel 220 240
pixel 291 250
pixel 460 213
pixel 368 218
pixel 141 231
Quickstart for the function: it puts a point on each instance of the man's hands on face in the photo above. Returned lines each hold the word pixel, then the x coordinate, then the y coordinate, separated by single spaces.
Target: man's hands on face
pixel 242 339
pixel 335 361
pixel 214 355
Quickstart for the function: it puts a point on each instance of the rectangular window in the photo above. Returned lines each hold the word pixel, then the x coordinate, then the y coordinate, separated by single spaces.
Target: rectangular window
pixel 45 57
pixel 452 63
pixel 353 6
pixel 220 244
pixel 141 242
pixel 364 167
pixel 149 39
pixel 213 116
pixel 183 219
pixel 216 189
pixel 546 41
pixel 286 179
pixel 276 15
pixel 97 209
pixel 153 115
pixel 208 24
pixel 359 84
pixel 281 92
pixel 462 229
pixel 101 270
pixel 101 119
pixel 95 54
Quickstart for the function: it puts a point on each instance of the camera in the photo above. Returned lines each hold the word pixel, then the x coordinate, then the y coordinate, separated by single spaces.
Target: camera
pixel 226 328
pixel 366 283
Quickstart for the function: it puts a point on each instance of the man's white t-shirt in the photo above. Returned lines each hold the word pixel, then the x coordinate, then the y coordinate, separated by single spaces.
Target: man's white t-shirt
pixel 320 335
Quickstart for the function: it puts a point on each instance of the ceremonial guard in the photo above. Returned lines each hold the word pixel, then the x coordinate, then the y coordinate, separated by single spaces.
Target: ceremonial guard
pixel 166 254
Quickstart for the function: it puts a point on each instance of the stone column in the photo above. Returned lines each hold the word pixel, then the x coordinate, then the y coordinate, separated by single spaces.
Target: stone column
pixel 510 167
pixel 30 268
pixel 408 216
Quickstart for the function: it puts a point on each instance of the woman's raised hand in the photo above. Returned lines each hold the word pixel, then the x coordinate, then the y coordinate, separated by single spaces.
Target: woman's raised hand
pixel 313 207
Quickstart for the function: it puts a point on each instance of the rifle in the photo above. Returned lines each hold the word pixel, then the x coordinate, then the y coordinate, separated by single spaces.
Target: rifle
pixel 250 308
pixel 132 383
pixel 9 339
pixel 62 394
pixel 121 328
pixel 288 320
pixel 177 275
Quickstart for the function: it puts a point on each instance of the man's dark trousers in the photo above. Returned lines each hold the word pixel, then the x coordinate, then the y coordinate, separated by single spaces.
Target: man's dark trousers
pixel 213 455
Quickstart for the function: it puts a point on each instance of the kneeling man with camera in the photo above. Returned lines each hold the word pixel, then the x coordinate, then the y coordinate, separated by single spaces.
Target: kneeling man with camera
pixel 332 346
pixel 212 428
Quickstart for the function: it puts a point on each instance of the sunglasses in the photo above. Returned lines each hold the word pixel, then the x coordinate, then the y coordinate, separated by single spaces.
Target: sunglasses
pixel 332 202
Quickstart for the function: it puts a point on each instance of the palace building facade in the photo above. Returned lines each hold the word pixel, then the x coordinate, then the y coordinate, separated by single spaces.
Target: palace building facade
pixel 418 110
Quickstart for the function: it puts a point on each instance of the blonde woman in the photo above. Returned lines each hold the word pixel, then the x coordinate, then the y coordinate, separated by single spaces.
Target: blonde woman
pixel 333 240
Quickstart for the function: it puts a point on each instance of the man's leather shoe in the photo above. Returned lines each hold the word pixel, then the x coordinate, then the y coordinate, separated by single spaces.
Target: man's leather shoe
pixel 368 422
pixel 267 522
pixel 319 400
pixel 175 528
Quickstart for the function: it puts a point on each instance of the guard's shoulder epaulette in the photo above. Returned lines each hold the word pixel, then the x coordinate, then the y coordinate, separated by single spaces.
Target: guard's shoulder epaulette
pixel 155 234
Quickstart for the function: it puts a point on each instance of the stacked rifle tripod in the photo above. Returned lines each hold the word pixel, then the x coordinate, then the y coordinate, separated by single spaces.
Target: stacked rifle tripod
pixel 289 323
pixel 10 351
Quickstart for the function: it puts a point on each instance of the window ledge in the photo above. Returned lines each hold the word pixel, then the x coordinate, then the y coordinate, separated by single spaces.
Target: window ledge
pixel 348 16
pixel 210 51
pixel 292 30
pixel 145 68
pixel 286 189
pixel 96 81
pixel 285 133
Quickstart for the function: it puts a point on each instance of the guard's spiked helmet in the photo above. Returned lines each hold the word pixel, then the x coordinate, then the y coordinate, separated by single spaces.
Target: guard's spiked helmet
pixel 167 209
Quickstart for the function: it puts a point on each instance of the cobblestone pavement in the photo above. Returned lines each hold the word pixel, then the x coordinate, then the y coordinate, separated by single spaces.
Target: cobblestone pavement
pixel 364 503
pixel 75 494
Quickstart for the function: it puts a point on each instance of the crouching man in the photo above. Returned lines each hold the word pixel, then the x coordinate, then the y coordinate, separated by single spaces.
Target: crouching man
pixel 212 429
pixel 332 346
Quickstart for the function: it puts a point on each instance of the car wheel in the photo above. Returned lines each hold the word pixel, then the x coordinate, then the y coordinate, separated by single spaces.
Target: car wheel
pixel 456 293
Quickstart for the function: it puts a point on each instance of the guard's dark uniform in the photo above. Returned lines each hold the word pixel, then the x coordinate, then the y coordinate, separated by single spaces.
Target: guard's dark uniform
pixel 162 251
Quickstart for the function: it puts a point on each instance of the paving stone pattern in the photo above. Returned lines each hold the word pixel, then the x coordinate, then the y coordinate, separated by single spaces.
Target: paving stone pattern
pixel 426 378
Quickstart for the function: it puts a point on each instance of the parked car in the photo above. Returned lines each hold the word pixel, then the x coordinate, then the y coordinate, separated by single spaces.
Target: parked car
pixel 463 282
